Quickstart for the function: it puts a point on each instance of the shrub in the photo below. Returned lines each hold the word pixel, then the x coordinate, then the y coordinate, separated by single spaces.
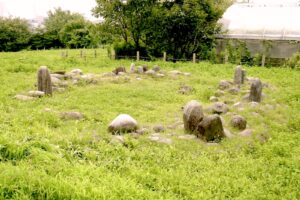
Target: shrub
pixel 294 61
pixel 127 49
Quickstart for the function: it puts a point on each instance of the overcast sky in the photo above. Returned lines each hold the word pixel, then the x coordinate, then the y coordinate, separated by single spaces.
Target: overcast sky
pixel 32 8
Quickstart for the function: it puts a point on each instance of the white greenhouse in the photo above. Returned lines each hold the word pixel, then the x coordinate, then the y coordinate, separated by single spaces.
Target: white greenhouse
pixel 261 22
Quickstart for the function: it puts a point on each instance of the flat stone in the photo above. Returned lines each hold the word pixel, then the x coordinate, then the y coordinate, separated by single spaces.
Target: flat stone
pixel 213 99
pixel 223 85
pixel 71 115
pixel 160 75
pixel 150 72
pixel 117 139
pixel 77 71
pixel 187 137
pixel 159 128
pixel 175 72
pixel 246 133
pixel 24 97
pixel 36 93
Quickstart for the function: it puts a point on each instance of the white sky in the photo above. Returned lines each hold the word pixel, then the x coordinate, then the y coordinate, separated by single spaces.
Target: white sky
pixel 32 8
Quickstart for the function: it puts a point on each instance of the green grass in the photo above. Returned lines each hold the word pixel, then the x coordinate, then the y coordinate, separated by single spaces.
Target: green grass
pixel 44 157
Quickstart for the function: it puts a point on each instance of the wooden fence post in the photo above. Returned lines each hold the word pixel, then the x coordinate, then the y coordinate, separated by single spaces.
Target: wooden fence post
pixel 95 53
pixel 194 58
pixel 81 53
pixel 165 57
pixel 137 56
pixel 67 53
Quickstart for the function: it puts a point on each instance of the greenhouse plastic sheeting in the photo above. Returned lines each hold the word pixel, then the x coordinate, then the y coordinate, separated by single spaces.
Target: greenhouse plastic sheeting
pixel 262 19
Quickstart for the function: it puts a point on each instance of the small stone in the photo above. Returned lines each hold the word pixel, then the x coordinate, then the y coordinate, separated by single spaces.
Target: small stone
pixel 246 133
pixel 58 89
pixel 223 85
pixel 175 72
pixel 233 91
pixel 253 104
pixel 142 131
pixel 150 72
pixel 59 76
pixel 159 128
pixel 220 108
pixel 238 122
pixel 238 105
pixel 156 68
pixel 187 137
pixel 77 72
pixel 36 93
pixel 159 139
pixel 213 99
pixel 187 74
pixel 121 74
pixel 160 75
pixel 138 78
pixel 55 81
pixel 117 139
pixel 109 74
pixel 228 134
pixel 118 70
pixel 122 124
pixel 24 97
pixel 71 116
pixel 219 93
pixel 185 89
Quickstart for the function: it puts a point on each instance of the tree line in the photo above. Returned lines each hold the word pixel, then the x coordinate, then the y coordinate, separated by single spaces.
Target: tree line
pixel 60 29
pixel 178 27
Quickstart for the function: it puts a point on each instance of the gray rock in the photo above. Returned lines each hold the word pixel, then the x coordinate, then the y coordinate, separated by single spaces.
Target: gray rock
pixel 253 104
pixel 118 70
pixel 211 128
pixel 150 72
pixel 220 108
pixel 122 124
pixel 140 70
pixel 219 93
pixel 223 85
pixel 238 75
pixel 132 68
pixel 238 122
pixel 187 74
pixel 233 91
pixel 77 72
pixel 142 131
pixel 36 93
pixel 71 115
pixel 175 72
pixel 156 68
pixel 185 89
pixel 187 137
pixel 117 139
pixel 55 81
pixel 59 76
pixel 192 115
pixel 159 75
pixel 159 128
pixel 256 91
pixel 24 97
pixel 160 139
pixel 213 99
pixel 246 133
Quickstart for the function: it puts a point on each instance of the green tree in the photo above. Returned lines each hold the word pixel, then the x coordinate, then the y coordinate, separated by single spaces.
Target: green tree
pixel 14 34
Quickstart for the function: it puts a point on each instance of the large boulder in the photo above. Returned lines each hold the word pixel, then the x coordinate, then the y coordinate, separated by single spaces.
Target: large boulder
pixel 192 115
pixel 122 124
pixel 211 128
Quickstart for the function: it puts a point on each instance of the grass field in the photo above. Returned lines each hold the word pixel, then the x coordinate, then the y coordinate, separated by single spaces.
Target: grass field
pixel 44 157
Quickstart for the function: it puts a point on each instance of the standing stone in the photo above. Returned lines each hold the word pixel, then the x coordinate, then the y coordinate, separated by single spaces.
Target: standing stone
pixel 238 75
pixel 132 68
pixel 256 91
pixel 211 128
pixel 192 115
pixel 123 123
pixel 44 80
pixel 118 70
pixel 140 70
pixel 244 75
